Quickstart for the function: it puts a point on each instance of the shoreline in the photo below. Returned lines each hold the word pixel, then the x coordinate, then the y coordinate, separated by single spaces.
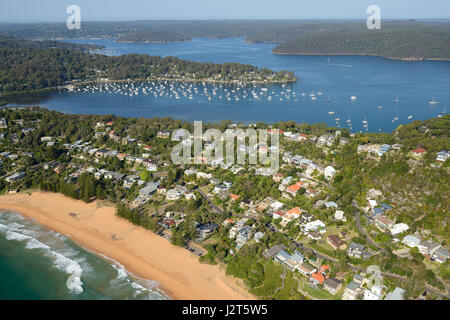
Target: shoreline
pixel 96 228
pixel 359 55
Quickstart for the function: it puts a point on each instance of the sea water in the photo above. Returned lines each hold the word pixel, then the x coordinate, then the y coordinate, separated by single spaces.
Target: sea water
pixel 38 263
pixel 375 81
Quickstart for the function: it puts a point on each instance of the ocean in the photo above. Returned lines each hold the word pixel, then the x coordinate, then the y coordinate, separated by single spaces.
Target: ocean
pixel 40 264
pixel 374 81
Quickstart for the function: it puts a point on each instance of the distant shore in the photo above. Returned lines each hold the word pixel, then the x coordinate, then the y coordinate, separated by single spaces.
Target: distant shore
pixel 96 227
pixel 358 54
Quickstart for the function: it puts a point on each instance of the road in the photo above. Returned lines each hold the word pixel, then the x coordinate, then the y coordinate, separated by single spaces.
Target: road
pixel 363 231
pixel 213 206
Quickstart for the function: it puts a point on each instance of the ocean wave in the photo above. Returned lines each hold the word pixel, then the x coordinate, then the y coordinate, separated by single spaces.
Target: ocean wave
pixel 148 288
pixel 63 263
pixel 71 267
pixel 36 244
pixel 12 235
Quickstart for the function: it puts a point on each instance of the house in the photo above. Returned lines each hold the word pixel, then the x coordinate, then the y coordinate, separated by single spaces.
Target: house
pixel 372 203
pixel 243 235
pixel 206 229
pixel 258 236
pixel 316 278
pixel 411 241
pixel 15 177
pixel 214 181
pixel 164 134
pixel 277 205
pixel 330 204
pixel 227 184
pixel 293 189
pixel 428 247
pixel 149 189
pixel 313 226
pixel 314 235
pixel 383 223
pixel 397 294
pixel 173 194
pixel 418 153
pixel 234 197
pixel 332 285
pixel 277 177
pixel 269 253
pixel 162 189
pixel 294 260
pixel 335 242
pixel 219 188
pixel 372 294
pixel 294 213
pixel 352 291
pixel 306 269
pixel 339 215
pixel 203 175
pixel 282 256
pixel 398 228
pixel 442 156
pixel 441 255
pixel 356 250
pixel 329 172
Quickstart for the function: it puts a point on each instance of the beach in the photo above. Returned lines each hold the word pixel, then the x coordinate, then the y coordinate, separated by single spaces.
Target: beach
pixel 95 227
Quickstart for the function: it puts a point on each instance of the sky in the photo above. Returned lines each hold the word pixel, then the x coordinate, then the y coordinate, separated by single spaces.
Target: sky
pixel 125 10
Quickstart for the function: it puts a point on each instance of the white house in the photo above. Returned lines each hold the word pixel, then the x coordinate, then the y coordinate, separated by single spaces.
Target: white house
pixel 314 225
pixel 398 228
pixel 329 172
pixel 411 241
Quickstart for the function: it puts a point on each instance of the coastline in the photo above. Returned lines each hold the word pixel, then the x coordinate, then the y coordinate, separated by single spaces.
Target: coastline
pixel 357 54
pixel 96 228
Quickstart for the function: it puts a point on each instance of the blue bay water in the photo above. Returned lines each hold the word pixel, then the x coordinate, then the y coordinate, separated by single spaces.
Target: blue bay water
pixel 37 263
pixel 375 82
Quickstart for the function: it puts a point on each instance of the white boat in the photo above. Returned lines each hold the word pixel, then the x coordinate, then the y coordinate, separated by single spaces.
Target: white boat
pixel 396 100
pixel 410 117
pixel 353 98
pixel 433 101
pixel 330 112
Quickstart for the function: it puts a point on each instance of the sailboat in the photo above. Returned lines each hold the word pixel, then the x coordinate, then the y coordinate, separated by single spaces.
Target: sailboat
pixel 396 100
pixel 433 101
pixel 328 100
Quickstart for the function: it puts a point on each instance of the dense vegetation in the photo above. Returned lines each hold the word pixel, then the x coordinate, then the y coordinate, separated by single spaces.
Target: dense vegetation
pixel 27 66
pixel 399 43
pixel 396 39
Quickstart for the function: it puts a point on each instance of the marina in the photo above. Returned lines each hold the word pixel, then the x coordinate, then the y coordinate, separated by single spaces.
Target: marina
pixel 385 93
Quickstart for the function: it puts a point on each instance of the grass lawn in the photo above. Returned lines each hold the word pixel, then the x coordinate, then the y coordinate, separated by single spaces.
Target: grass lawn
pixel 318 293
pixel 290 290
pixel 272 280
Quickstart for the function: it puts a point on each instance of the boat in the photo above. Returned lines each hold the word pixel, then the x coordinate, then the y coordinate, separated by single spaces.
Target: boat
pixel 433 101
pixel 396 100
pixel 410 117
pixel 330 112
pixel 328 100
pixel 380 107
pixel 353 98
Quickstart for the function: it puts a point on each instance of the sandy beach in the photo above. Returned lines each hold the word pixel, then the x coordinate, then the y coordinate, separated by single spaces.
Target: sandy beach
pixel 96 227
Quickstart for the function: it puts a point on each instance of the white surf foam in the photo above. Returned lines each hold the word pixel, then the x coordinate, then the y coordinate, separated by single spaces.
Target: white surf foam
pixel 71 267
pixel 36 244
pixel 11 235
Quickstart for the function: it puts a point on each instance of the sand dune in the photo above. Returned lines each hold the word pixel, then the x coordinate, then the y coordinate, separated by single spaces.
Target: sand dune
pixel 96 227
